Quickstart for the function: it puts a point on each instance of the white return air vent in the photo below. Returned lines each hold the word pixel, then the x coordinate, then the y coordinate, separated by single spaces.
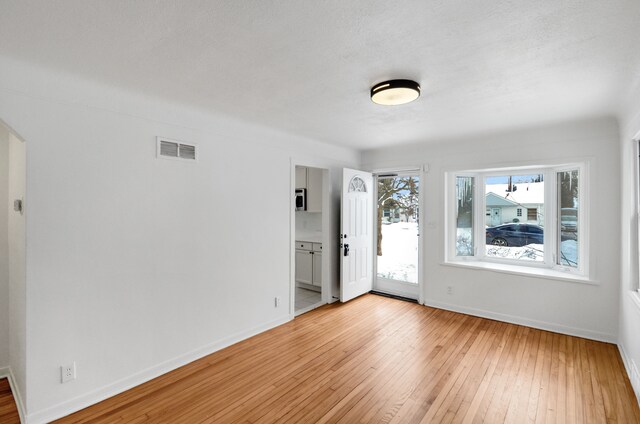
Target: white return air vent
pixel 172 149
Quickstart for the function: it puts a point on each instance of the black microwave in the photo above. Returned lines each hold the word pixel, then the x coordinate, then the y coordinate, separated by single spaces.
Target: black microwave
pixel 301 199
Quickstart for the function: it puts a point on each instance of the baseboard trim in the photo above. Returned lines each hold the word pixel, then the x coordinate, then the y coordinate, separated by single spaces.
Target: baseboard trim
pixel 7 372
pixel 512 319
pixel 73 405
pixel 632 371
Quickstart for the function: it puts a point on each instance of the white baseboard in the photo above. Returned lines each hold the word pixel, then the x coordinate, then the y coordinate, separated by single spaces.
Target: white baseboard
pixel 65 408
pixel 632 371
pixel 512 319
pixel 6 372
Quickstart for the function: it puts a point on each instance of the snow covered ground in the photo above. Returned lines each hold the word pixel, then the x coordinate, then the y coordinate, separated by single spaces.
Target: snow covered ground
pixel 399 260
pixel 569 252
pixel 531 252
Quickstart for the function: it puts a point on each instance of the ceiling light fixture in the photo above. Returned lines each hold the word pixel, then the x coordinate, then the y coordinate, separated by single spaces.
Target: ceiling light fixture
pixel 395 92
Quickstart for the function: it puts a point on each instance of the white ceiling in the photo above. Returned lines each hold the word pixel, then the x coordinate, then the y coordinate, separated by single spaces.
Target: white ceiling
pixel 306 67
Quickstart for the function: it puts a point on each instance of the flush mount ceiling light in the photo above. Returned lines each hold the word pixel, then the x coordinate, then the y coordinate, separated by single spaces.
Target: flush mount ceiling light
pixel 395 92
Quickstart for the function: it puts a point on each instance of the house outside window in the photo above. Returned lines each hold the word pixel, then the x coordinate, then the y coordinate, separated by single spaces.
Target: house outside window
pixel 519 212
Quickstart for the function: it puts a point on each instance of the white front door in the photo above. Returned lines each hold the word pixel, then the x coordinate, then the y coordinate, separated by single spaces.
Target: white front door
pixel 496 217
pixel 356 238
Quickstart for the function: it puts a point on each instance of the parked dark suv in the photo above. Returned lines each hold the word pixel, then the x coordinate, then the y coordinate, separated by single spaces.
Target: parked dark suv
pixel 515 235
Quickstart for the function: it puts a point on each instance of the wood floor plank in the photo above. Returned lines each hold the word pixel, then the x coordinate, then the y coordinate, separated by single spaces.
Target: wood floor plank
pixel 8 409
pixel 517 409
pixel 377 359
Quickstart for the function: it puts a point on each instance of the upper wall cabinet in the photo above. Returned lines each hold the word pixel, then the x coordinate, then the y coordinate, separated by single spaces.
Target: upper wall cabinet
pixel 301 177
pixel 314 190
pixel 311 179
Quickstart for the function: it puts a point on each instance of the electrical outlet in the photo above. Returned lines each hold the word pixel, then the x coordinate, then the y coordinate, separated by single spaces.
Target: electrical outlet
pixel 68 372
pixel 449 290
pixel 277 302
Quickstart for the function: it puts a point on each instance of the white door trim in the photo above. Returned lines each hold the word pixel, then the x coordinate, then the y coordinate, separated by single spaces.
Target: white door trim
pixel 327 245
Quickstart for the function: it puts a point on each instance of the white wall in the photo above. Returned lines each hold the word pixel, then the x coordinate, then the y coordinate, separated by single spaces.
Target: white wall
pixel 136 264
pixel 574 308
pixel 4 247
pixel 17 268
pixel 628 340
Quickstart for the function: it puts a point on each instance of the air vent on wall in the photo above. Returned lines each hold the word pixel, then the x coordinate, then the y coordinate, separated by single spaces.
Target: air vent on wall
pixel 173 149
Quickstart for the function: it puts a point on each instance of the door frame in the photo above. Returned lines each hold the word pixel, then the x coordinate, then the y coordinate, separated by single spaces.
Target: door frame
pixel 421 172
pixel 327 245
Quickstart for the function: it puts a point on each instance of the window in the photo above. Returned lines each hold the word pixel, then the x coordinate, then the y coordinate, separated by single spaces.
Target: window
pixel 552 236
pixel 464 216
pixel 505 194
pixel 568 205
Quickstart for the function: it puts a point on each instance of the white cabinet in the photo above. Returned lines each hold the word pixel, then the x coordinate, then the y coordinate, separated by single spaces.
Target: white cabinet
pixel 317 269
pixel 304 266
pixel 314 190
pixel 311 179
pixel 301 177
pixel 304 245
pixel 309 263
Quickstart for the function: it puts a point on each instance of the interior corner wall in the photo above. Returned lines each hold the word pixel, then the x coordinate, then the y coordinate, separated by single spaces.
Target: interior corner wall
pixel 4 248
pixel 138 264
pixel 629 321
pixel 569 307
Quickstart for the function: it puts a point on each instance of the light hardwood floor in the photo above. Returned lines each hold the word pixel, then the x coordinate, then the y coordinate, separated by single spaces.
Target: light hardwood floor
pixel 8 409
pixel 382 360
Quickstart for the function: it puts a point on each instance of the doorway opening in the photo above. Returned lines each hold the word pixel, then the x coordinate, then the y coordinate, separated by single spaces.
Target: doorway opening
pixel 311 219
pixel 398 234
pixel 13 255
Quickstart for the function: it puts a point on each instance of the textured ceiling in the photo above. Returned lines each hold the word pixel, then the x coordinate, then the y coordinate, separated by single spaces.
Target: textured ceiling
pixel 306 67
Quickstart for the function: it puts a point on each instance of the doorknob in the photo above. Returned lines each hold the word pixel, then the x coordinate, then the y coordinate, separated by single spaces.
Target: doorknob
pixel 346 249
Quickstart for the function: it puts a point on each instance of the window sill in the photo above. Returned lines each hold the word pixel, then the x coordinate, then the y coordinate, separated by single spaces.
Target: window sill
pixel 546 273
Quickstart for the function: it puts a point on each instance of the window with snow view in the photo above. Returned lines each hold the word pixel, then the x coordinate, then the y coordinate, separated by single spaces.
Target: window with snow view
pixel 568 211
pixel 397 228
pixel 464 216
pixel 507 234
pixel 530 218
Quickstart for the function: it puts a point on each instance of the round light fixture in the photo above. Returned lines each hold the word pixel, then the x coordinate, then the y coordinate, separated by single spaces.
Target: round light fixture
pixel 395 92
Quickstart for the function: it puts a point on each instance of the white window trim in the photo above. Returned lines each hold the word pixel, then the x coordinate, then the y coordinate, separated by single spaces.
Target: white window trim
pixel 549 268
